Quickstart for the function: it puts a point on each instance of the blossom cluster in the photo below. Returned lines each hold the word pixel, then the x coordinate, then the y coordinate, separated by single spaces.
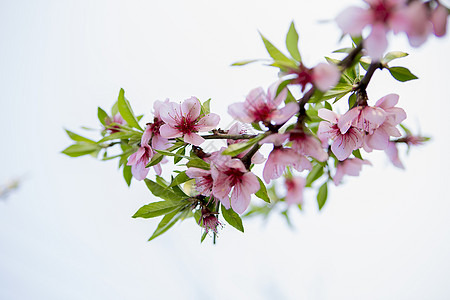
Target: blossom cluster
pixel 309 144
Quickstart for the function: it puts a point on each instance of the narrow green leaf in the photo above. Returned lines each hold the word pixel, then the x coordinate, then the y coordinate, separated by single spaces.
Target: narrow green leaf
pixel 78 138
pixel 232 218
pixel 166 223
pixel 390 56
pixel 115 109
pixel 274 52
pixel 343 50
pixel 292 43
pixel 262 192
pixel 206 109
pixel 235 149
pixel 402 74
pixel 244 62
pixel 180 154
pixel 127 175
pixel 351 100
pixel 167 153
pixel 322 195
pixel 156 159
pixel 126 112
pixel 198 163
pixel 102 116
pixel 314 174
pixel 179 179
pixel 162 192
pixel 156 209
pixel 80 149
pixel 120 135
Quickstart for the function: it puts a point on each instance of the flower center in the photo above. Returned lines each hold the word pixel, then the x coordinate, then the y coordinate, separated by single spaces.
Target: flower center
pixel 381 12
pixel 235 176
pixel 186 125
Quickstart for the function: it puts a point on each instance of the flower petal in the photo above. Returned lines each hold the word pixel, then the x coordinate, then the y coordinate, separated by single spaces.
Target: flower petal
pixel 190 108
pixel 325 76
pixel 208 122
pixel 282 115
pixel 376 43
pixel 193 139
pixel 353 19
pixel 167 131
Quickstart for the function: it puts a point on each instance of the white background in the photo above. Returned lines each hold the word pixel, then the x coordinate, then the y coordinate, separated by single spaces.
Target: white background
pixel 67 233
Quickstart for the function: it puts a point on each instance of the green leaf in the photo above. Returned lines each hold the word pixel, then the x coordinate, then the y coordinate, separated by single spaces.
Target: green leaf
pixel 356 40
pixel 179 179
pixel 235 149
pixel 314 174
pixel 80 149
pixel 126 112
pixel 162 192
pixel 343 50
pixel 351 100
pixel 206 109
pixel 127 175
pixel 167 153
pixel 156 209
pixel 120 135
pixel 276 54
pixel 402 74
pixel 262 192
pixel 102 116
pixel 166 223
pixel 198 163
pixel 78 138
pixel 180 153
pixel 256 126
pixel 244 62
pixel 390 56
pixel 115 109
pixel 156 159
pixel 357 154
pixel 322 195
pixel 232 218
pixel 292 43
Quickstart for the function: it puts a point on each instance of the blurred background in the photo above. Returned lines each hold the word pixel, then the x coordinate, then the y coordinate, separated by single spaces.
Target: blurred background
pixel 67 231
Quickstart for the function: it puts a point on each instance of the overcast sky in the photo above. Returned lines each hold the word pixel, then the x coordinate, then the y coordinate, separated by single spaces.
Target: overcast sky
pixel 67 233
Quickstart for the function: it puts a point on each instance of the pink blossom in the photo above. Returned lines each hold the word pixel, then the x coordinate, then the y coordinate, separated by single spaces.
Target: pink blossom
pixel 203 180
pixel 381 15
pixel 185 120
pixel 306 144
pixel 230 176
pixel 392 152
pixel 112 126
pixel 343 143
pixel 365 118
pixel 294 186
pixel 139 160
pixel 324 76
pixel 280 158
pixel 350 166
pixel 262 107
pixel 209 221
pixel 379 138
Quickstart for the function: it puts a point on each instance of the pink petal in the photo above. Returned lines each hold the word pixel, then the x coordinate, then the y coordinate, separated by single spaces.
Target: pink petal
pixel 325 131
pixel 353 19
pixel 241 195
pixel 258 158
pixel 197 172
pixel 387 101
pixel 191 108
pixel 419 26
pixel 325 76
pixel 280 98
pixel 439 20
pixel 157 107
pixel 160 143
pixel 158 169
pixel 328 115
pixel 378 140
pixel 284 114
pixel 147 135
pixel 376 42
pixel 240 112
pixel 392 153
pixel 193 139
pixel 170 113
pixel 370 119
pixel 340 149
pixel 277 139
pixel 295 188
pixel 271 169
pixel 302 163
pixel 208 122
pixel 395 115
pixel 346 120
pixel 167 131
